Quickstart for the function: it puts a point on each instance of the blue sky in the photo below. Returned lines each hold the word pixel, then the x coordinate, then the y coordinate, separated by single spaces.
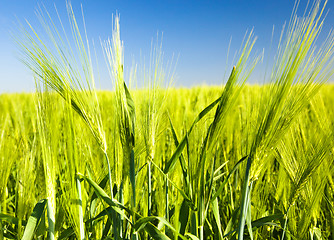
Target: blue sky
pixel 197 32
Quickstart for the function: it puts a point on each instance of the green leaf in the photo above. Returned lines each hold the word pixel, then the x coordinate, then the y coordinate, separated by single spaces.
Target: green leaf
pixel 183 217
pixel 141 223
pixel 248 214
pixel 106 228
pixel 191 236
pixel 267 220
pixel 118 207
pixel 215 210
pixel 105 212
pixel 155 233
pixel 113 203
pixel 172 161
pixel 182 160
pixel 231 223
pixel 221 187
pixel 133 175
pixel 66 234
pixel 102 184
pixel 188 199
pixel 256 223
pixel 11 219
pixel 131 111
pixel 9 236
pixel 34 219
pixel 245 198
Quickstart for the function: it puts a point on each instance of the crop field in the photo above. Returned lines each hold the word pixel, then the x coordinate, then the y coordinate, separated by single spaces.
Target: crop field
pixel 237 161
pixel 296 174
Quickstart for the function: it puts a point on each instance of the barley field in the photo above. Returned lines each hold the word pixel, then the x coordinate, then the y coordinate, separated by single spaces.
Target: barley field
pixel 236 161
pixel 296 174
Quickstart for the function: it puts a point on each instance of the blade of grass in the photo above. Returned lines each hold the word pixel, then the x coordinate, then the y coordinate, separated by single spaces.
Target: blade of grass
pixel 34 219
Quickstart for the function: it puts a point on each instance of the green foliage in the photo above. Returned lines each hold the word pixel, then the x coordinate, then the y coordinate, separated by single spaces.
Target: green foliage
pixel 255 156
pixel 298 176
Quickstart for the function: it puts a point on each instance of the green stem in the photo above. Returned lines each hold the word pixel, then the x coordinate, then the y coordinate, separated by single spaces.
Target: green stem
pixel 115 218
pixel 81 223
pixel 133 184
pixel 121 200
pixel 149 194
pixel 109 175
pixel 51 220
pixel 285 222
pixel 166 206
pixel 244 201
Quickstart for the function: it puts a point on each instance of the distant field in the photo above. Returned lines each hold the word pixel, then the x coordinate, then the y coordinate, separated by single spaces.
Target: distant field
pixel 296 173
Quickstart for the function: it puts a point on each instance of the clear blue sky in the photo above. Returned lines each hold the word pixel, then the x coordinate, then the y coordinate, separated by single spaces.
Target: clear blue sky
pixel 197 31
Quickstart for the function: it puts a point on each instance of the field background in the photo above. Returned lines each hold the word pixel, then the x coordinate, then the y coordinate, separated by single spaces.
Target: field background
pixel 297 174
